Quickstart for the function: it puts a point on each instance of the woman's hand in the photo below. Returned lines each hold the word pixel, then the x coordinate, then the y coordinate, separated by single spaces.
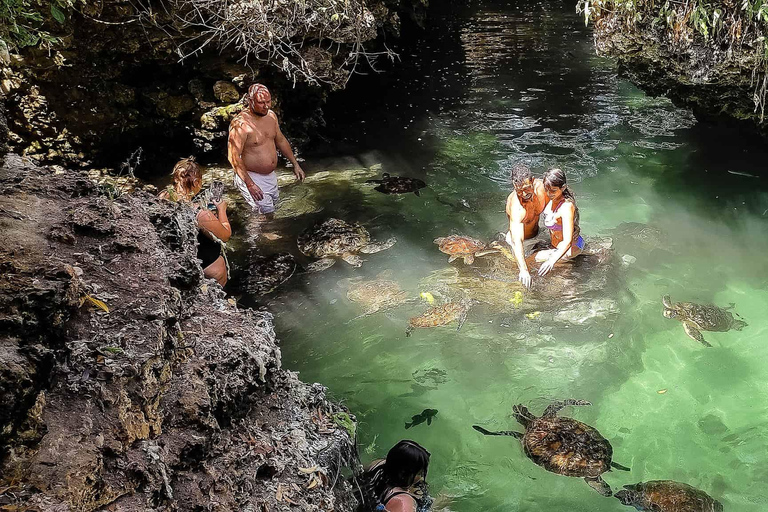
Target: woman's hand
pixel 221 205
pixel 547 266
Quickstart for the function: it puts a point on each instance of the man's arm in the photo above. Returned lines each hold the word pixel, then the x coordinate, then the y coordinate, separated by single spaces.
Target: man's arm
pixel 285 148
pixel 238 134
pixel 516 214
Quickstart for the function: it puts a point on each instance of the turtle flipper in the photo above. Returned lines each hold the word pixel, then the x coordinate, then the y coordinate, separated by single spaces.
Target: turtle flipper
pixel 352 259
pixel 555 407
pixel 452 258
pixel 462 318
pixel 739 325
pixel 616 465
pixel 469 259
pixel 694 333
pixel 516 435
pixel 408 331
pixel 378 246
pixel 599 485
pixel 667 301
pixel 522 414
pixel 321 264
pixel 417 192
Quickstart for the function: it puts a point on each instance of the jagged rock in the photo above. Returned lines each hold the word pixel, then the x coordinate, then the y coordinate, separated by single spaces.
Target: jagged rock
pixel 226 92
pixel 174 398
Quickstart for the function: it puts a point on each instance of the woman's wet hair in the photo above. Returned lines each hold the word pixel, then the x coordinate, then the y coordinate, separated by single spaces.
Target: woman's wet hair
pixel 556 178
pixel 405 461
pixel 520 173
pixel 187 177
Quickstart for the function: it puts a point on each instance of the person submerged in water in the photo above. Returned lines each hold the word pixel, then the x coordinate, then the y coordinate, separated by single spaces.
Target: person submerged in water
pixel 399 481
pixel 524 205
pixel 213 227
pixel 561 217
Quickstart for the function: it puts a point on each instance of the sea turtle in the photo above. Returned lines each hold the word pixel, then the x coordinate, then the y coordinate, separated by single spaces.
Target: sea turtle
pixel 376 294
pixel 265 273
pixel 563 445
pixel 398 184
pixel 334 238
pixel 440 315
pixel 667 496
pixel 701 317
pixel 459 246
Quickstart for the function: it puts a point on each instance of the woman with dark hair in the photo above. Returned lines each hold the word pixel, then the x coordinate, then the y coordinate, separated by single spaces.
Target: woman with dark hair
pixel 214 228
pixel 399 481
pixel 561 216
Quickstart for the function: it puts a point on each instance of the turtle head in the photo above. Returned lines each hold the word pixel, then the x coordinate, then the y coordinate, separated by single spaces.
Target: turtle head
pixel 628 497
pixel 385 175
pixel 669 313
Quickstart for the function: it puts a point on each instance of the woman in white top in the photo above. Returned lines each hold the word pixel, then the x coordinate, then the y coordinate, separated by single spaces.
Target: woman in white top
pixel 561 217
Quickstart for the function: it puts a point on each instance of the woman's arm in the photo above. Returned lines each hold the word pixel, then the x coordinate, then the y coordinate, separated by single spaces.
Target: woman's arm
pixel 217 226
pixel 568 211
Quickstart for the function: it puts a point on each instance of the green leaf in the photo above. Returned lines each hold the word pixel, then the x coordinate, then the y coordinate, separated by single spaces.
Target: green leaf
pixel 57 14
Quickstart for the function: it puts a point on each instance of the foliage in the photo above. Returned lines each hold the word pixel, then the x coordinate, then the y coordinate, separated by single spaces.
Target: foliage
pixel 29 22
pixel 277 32
pixel 732 27
pixel 345 421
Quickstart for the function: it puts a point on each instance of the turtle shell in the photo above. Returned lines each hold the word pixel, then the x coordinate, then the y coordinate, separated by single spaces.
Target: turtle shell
pixel 400 185
pixel 567 447
pixel 706 316
pixel 668 496
pixel 457 245
pixel 377 294
pixel 333 237
pixel 265 273
pixel 438 315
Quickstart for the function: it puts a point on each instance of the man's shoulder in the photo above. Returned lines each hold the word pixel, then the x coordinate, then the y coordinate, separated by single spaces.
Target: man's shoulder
pixel 241 120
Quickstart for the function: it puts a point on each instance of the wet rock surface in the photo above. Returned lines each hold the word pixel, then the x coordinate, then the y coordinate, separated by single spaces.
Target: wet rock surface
pixel 130 382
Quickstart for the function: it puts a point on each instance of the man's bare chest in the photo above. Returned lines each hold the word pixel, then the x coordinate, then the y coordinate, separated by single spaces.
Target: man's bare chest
pixel 260 133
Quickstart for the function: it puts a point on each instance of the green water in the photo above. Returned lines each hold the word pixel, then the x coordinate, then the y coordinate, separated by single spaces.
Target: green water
pixel 495 85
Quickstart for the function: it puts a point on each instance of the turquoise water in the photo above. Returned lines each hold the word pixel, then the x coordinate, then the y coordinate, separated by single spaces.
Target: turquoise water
pixel 498 84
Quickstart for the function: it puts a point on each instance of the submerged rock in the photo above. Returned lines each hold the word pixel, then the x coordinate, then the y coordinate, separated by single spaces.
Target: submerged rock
pixel 129 381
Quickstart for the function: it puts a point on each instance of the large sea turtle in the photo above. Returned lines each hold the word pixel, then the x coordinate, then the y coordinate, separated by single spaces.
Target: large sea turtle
pixel 667 496
pixel 459 246
pixel 334 238
pixel 701 317
pixel 397 184
pixel 563 445
pixel 376 294
pixel 265 273
pixel 440 315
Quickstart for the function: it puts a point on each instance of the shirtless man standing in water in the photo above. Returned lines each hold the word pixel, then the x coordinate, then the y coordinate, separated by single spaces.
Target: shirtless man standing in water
pixel 524 205
pixel 254 138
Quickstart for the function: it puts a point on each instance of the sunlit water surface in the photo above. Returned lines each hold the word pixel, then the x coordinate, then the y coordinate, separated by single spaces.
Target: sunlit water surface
pixel 495 85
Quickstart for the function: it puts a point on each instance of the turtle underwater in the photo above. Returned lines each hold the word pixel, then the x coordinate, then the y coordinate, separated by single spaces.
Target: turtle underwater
pixel 563 445
pixel 265 273
pixel 440 315
pixel 701 317
pixel 667 496
pixel 377 294
pixel 334 238
pixel 397 184
pixel 459 246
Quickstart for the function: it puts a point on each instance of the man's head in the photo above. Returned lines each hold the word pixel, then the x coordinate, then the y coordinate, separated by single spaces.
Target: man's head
pixel 259 99
pixel 522 179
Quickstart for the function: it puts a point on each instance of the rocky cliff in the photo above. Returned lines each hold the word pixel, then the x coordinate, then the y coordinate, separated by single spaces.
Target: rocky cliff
pixel 707 56
pixel 166 76
pixel 128 381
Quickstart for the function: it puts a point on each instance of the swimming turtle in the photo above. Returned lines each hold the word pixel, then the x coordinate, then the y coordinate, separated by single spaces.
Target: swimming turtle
pixel 701 317
pixel 667 496
pixel 265 273
pixel 563 445
pixel 440 315
pixel 459 246
pixel 398 184
pixel 334 238
pixel 377 294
